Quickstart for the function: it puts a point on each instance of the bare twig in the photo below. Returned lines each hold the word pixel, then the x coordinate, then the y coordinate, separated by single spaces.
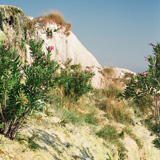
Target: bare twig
pixel 3 119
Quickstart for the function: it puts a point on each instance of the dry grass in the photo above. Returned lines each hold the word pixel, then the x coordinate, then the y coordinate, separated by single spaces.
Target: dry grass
pixel 53 16
pixel 110 79
pixel 115 109
pixel 82 111
pixel 94 103
pixel 118 110
pixel 109 71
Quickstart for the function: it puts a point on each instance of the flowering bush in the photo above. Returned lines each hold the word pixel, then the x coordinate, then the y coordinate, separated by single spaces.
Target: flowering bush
pixel 144 88
pixel 75 81
pixel 22 86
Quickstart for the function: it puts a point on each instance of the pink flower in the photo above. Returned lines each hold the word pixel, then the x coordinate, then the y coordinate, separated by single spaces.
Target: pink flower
pixel 89 70
pixel 144 74
pixel 158 96
pixel 21 67
pixel 51 48
pixel 145 58
pixel 12 60
pixel 133 80
pixel 21 57
pixel 6 45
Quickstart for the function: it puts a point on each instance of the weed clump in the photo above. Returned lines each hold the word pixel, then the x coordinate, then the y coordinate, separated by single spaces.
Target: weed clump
pixel 114 108
pixel 110 133
pixel 56 17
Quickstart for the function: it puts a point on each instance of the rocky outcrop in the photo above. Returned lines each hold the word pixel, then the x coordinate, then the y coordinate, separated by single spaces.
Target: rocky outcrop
pixel 121 72
pixel 12 25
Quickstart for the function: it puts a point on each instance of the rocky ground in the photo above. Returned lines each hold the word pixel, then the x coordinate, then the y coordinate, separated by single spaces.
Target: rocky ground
pixel 49 137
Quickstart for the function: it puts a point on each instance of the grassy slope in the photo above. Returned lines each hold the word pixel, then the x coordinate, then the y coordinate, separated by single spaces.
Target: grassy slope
pixel 81 130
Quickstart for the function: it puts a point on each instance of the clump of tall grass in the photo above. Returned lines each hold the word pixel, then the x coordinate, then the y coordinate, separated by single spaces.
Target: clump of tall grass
pixel 53 16
pixel 119 111
pixel 110 133
pixel 75 112
pixel 114 108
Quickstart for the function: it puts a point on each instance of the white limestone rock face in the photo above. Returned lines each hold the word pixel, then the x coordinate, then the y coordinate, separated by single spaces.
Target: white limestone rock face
pixel 68 47
pixel 120 72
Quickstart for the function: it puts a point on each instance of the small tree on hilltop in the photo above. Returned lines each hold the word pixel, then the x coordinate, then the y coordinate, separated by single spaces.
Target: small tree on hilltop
pixel 22 86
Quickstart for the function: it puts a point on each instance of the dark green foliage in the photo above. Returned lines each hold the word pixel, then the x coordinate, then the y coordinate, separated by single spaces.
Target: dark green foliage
pixel 144 88
pixel 156 142
pixel 75 81
pixel 1 23
pixel 22 87
pixel 49 33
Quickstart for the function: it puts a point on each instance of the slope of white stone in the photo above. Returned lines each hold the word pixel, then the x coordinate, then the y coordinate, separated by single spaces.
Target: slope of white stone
pixel 68 47
pixel 120 72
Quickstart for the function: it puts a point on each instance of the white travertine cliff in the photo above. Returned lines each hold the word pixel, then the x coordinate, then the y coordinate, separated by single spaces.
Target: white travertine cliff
pixel 69 47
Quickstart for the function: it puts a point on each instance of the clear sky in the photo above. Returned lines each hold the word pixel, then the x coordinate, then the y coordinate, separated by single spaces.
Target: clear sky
pixel 116 32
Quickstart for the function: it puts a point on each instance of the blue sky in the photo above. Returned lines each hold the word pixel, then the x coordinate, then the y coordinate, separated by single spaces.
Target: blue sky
pixel 116 32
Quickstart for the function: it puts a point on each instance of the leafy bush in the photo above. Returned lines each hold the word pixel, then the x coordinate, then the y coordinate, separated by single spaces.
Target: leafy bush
pixel 75 81
pixel 23 86
pixel 144 88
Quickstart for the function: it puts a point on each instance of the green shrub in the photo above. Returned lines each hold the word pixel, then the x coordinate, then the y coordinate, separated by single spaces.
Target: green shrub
pixel 23 86
pixel 144 88
pixel 1 21
pixel 75 81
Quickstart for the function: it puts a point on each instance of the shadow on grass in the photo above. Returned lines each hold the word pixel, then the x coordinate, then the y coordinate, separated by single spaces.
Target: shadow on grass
pixel 47 142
